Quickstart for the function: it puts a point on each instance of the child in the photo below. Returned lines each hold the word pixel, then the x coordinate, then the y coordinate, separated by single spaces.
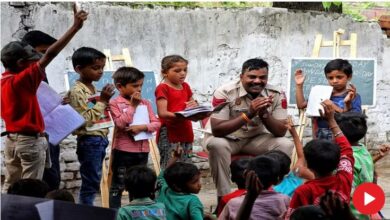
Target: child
pixel 178 184
pixel 60 194
pixel 354 127
pixel 284 162
pixel 26 143
pixel 29 187
pixel 237 168
pixel 338 72
pixel 126 151
pixel 299 171
pixel 140 181
pixel 41 41
pixel 91 145
pixel 268 204
pixel 171 96
pixel 322 158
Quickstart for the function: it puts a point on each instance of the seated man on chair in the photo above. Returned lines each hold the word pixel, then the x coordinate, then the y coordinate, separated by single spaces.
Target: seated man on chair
pixel 253 121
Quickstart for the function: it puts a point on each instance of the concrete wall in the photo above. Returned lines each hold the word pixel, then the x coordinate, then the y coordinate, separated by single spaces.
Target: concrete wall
pixel 215 41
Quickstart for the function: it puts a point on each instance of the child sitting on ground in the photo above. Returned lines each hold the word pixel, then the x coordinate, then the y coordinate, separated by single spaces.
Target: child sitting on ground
pixel 354 127
pixel 268 203
pixel 237 168
pixel 178 185
pixel 299 171
pixel 323 157
pixel 29 187
pixel 140 182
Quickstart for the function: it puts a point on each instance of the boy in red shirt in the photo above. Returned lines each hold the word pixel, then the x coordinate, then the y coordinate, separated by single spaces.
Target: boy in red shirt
pixel 26 144
pixel 323 157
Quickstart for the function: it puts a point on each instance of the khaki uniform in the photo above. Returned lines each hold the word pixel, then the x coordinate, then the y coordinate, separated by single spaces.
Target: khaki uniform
pixel 252 138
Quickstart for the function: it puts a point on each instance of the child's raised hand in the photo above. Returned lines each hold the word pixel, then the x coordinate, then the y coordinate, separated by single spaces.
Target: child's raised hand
pixel 79 17
pixel 252 183
pixel 135 99
pixel 107 92
pixel 351 93
pixel 328 113
pixel 299 77
pixel 191 104
pixel 289 123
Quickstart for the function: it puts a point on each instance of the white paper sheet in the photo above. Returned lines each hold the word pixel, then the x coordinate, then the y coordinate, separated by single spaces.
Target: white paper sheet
pixel 60 120
pixel 318 94
pixel 141 117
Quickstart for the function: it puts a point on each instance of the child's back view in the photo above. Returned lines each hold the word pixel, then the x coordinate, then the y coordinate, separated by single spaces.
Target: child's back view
pixel 237 168
pixel 91 144
pixel 269 204
pixel 140 182
pixel 323 157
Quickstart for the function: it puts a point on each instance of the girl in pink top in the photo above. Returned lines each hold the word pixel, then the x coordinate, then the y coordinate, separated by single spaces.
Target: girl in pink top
pixel 173 95
pixel 126 152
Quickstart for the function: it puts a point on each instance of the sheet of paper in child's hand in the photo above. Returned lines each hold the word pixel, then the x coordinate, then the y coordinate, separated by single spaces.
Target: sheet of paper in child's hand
pixel 141 117
pixel 318 94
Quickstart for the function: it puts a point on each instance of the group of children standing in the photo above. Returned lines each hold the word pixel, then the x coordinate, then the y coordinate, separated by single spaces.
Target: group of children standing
pixel 322 166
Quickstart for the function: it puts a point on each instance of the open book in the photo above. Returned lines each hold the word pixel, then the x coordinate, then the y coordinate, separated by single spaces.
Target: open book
pixel 318 94
pixel 201 110
pixel 105 120
pixel 60 120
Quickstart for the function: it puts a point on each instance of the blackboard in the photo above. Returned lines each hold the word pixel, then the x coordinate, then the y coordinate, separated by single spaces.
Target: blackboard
pixel 363 77
pixel 147 92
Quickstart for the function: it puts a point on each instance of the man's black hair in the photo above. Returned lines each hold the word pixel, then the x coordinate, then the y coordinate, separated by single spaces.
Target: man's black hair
pixel 322 156
pixel 37 38
pixel 266 169
pixel 140 182
pixel 179 174
pixel 339 64
pixel 125 75
pixel 237 168
pixel 283 159
pixel 353 125
pixel 86 56
pixel 254 64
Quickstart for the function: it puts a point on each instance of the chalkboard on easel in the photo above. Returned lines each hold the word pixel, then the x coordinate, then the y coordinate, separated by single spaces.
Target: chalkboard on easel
pixel 363 77
pixel 147 92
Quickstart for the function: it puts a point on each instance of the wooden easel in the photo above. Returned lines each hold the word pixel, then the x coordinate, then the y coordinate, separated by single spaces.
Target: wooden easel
pixel 107 162
pixel 318 43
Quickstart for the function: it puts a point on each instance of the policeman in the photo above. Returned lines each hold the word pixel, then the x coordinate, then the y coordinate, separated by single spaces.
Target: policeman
pixel 252 122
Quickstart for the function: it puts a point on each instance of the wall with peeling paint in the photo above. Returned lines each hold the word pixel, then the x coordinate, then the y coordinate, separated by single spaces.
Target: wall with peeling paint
pixel 215 41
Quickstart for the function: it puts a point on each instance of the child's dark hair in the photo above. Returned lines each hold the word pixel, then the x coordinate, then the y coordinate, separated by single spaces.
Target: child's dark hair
pixel 86 56
pixel 29 187
pixel 254 64
pixel 168 61
pixel 283 159
pixel 267 170
pixel 37 38
pixel 179 174
pixel 339 64
pixel 125 75
pixel 237 168
pixel 309 212
pixel 322 156
pixel 140 182
pixel 353 125
pixel 60 194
